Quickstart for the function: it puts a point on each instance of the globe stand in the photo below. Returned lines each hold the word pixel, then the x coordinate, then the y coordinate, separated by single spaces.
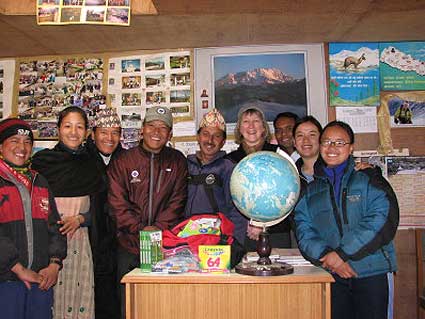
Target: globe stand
pixel 263 266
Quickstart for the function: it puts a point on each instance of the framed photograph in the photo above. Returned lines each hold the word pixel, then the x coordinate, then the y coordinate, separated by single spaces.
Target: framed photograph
pixel 406 108
pixel 129 66
pixel 275 78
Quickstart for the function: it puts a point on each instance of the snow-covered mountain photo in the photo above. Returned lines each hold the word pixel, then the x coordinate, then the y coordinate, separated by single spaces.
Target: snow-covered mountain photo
pixel 275 83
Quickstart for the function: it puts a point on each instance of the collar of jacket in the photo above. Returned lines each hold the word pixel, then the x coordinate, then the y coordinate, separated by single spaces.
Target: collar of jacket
pixel 194 158
pixel 149 153
pixel 320 164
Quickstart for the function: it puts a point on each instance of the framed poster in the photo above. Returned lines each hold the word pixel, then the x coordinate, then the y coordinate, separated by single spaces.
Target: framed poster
pixel 354 74
pixel 275 78
pixel 402 66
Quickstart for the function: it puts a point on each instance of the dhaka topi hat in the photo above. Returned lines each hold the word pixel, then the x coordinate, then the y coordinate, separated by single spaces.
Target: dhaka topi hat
pixel 107 118
pixel 159 113
pixel 213 119
pixel 14 126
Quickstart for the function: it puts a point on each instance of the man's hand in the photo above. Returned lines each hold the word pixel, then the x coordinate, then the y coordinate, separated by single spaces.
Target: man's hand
pixel 345 271
pixel 335 264
pixel 253 232
pixel 27 276
pixel 49 276
pixel 70 224
pixel 331 261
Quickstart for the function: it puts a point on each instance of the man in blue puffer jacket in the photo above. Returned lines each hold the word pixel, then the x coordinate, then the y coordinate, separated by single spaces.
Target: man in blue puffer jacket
pixel 345 222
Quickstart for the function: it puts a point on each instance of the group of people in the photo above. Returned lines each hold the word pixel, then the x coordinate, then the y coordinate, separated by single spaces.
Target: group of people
pixel 83 203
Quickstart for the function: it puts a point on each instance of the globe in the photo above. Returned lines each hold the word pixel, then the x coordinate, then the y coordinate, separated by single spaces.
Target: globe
pixel 265 187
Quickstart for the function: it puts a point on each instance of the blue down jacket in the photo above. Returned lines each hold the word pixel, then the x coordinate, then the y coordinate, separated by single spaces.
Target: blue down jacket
pixel 359 225
pixel 197 200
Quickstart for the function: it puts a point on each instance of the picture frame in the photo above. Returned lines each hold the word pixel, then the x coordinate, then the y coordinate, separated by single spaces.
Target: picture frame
pixel 314 67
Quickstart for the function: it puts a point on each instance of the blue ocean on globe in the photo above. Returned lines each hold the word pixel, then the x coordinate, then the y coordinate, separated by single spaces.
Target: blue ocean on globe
pixel 265 186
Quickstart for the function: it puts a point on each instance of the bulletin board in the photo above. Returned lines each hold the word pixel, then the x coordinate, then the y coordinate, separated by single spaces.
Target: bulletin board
pixel 45 85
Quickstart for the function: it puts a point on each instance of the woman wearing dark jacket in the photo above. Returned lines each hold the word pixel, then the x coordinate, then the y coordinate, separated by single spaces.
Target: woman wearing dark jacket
pixel 73 178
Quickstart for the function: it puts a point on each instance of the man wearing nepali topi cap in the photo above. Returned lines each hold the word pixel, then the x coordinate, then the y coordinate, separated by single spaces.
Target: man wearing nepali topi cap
pixel 104 146
pixel 209 175
pixel 147 189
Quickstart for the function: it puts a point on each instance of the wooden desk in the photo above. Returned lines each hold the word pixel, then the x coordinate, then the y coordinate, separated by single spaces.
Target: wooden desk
pixel 303 294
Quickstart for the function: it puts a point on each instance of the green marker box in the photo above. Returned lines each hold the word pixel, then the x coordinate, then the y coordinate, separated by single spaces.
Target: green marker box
pixel 150 249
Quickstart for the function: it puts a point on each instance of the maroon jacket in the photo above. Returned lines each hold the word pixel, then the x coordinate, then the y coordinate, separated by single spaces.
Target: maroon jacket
pixel 138 199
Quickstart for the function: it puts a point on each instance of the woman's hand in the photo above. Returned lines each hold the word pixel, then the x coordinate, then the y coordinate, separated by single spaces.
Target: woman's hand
pixel 49 276
pixel 70 224
pixel 253 232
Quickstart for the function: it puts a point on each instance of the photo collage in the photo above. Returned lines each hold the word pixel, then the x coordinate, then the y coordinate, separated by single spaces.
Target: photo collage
pixel 48 86
pixel 136 83
pixel 109 12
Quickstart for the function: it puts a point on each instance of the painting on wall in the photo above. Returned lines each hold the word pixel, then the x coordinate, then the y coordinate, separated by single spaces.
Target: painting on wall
pixel 354 74
pixel 275 78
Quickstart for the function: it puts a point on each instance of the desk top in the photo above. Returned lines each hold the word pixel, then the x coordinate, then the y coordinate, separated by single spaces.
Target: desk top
pixel 302 274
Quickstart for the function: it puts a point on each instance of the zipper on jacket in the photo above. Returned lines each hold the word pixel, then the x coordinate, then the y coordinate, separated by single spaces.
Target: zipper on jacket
pixel 150 204
pixel 335 209
pixel 344 206
pixel 158 186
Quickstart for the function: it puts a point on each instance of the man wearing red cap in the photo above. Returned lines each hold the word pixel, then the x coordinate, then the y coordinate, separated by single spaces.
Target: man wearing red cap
pixel 31 246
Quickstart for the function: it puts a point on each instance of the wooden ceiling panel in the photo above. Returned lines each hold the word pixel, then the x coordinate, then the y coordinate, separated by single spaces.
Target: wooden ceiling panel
pixel 170 24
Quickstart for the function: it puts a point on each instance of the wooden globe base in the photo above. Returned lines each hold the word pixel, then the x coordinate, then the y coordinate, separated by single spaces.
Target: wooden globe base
pixel 253 269
pixel 263 266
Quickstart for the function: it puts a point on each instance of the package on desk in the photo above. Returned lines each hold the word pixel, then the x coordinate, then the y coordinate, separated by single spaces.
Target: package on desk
pixel 182 261
pixel 214 258
pixel 150 249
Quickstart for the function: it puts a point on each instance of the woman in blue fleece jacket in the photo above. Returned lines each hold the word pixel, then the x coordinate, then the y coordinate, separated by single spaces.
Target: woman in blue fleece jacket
pixel 345 222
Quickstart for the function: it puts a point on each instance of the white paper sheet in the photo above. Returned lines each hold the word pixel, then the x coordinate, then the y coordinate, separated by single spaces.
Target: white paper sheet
pixel 361 119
